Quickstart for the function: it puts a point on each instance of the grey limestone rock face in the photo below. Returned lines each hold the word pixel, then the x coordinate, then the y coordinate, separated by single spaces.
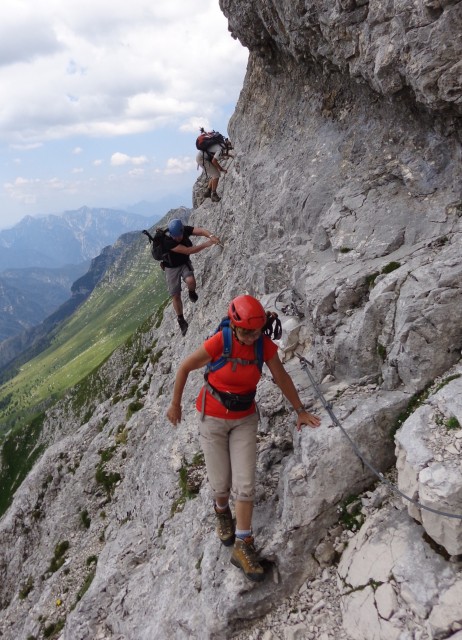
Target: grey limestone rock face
pixel 392 46
pixel 429 462
pixel 391 583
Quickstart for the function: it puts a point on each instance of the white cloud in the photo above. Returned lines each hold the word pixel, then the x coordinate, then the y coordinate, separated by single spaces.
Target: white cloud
pixel 120 159
pixel 193 124
pixel 111 67
pixel 179 165
pixel 81 78
pixel 25 190
pixel 136 173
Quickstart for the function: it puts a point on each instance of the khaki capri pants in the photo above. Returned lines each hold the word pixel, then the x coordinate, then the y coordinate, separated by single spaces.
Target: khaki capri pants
pixel 210 169
pixel 230 451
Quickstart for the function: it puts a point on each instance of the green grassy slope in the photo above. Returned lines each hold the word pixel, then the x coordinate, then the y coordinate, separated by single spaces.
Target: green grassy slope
pixel 130 293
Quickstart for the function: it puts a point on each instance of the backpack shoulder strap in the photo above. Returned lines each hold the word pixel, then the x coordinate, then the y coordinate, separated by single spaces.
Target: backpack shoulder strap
pixel 259 352
pixel 227 346
pixel 227 340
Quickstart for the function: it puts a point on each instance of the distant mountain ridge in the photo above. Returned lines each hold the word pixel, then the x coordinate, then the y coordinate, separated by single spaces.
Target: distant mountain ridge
pixel 25 345
pixel 29 295
pixel 36 257
pixel 37 337
pixel 70 238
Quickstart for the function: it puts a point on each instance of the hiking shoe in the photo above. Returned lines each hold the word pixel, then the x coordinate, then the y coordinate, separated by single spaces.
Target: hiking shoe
pixel 244 557
pixel 207 193
pixel 183 326
pixel 225 527
pixel 193 296
pixel 215 197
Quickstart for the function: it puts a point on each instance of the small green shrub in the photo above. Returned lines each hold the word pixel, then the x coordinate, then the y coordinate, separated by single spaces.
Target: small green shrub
pixel 85 519
pixel 121 436
pixel 58 559
pixel 189 483
pixel 446 381
pixel 157 356
pixel 381 351
pixel 345 249
pixel 107 480
pixel 198 459
pixel 86 585
pixel 107 454
pixel 370 279
pixel 26 588
pixel 452 423
pixel 414 403
pixel 54 628
pixel 391 266
pixel 133 407
pixel 350 515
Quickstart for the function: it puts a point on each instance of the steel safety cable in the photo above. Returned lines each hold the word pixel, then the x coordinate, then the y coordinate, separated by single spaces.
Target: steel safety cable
pixel 328 407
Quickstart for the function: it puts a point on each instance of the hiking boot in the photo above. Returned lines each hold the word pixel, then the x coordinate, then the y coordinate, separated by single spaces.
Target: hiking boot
pixel 183 325
pixel 215 197
pixel 225 527
pixel 207 193
pixel 244 557
pixel 193 296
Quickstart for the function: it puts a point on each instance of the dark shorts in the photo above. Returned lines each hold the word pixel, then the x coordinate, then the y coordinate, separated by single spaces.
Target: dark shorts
pixel 174 276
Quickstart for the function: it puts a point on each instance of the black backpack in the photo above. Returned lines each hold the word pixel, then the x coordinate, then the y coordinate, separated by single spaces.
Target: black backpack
pixel 207 139
pixel 158 249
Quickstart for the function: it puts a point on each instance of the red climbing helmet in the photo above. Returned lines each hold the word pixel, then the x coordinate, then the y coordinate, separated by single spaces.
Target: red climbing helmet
pixel 246 312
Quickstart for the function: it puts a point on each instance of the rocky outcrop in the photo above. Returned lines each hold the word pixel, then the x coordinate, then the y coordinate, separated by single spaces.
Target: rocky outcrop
pixel 428 461
pixel 342 211
pixel 393 46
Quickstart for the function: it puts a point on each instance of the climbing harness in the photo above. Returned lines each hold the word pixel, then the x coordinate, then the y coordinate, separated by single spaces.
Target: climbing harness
pixel 328 407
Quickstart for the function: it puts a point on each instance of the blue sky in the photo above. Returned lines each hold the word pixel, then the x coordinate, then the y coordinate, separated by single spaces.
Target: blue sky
pixel 102 100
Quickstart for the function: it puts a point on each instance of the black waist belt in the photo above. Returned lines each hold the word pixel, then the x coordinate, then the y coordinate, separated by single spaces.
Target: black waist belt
pixel 232 401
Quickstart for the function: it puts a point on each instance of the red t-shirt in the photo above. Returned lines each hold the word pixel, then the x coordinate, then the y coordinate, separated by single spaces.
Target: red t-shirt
pixel 243 380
